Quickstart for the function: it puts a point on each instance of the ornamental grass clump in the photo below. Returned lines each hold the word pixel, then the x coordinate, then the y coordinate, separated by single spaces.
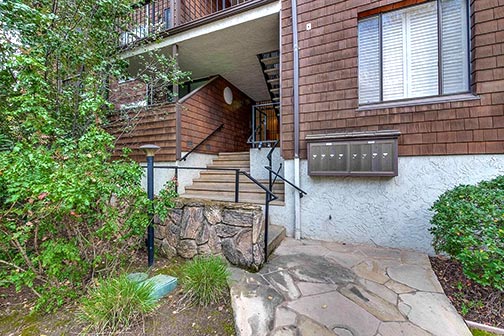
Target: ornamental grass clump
pixel 116 304
pixel 468 224
pixel 205 280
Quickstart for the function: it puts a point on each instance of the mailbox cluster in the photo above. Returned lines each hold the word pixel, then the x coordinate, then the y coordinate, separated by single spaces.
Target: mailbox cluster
pixel 353 154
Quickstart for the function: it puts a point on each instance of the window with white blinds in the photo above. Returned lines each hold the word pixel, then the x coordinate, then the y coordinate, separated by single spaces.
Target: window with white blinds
pixel 418 51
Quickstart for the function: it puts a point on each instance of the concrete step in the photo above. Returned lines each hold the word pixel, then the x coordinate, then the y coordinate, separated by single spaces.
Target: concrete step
pixel 219 175
pixel 232 153
pixel 231 163
pixel 271 71
pixel 251 198
pixel 276 234
pixel 239 157
pixel 227 178
pixel 244 166
pixel 220 172
pixel 230 187
pixel 270 60
pixel 253 194
pixel 230 179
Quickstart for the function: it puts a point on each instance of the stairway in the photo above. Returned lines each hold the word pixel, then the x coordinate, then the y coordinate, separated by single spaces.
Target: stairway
pixel 220 185
pixel 270 63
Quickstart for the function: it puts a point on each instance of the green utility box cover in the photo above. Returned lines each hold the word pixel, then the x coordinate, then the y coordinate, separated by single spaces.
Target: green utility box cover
pixel 162 285
pixel 137 277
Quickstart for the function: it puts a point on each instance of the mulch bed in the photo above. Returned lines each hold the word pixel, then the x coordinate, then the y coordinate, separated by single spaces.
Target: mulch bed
pixel 168 320
pixel 474 302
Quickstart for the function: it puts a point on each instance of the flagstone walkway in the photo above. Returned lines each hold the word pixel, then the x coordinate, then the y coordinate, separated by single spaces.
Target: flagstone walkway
pixel 320 288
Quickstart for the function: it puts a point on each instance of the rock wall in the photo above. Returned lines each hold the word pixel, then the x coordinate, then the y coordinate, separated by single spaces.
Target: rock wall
pixel 202 227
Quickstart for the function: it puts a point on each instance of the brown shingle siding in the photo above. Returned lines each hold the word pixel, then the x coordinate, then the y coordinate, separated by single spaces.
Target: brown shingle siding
pixel 137 127
pixel 206 110
pixel 328 83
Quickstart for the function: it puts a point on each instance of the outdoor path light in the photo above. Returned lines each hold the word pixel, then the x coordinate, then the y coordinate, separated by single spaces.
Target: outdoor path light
pixel 149 151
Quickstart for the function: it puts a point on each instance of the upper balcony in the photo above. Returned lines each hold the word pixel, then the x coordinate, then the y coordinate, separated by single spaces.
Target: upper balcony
pixel 159 17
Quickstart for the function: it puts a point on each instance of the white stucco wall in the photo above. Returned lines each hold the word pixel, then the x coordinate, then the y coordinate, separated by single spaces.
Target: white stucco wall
pixel 390 212
pixel 185 177
pixel 258 160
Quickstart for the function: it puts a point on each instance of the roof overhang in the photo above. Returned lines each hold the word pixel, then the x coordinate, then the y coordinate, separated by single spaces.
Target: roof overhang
pixel 227 47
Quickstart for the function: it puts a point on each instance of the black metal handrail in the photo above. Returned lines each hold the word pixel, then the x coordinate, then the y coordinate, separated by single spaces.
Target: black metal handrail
pixel 270 196
pixel 270 164
pixel 151 17
pixel 201 142
pixel 301 191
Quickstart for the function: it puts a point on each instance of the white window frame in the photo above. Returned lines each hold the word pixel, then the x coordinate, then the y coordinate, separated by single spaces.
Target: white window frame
pixel 422 99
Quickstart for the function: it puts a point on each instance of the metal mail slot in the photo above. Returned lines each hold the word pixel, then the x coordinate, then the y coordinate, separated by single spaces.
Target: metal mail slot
pixel 353 158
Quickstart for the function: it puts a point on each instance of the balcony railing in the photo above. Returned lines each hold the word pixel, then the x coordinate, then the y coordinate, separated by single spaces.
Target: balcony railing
pixel 156 16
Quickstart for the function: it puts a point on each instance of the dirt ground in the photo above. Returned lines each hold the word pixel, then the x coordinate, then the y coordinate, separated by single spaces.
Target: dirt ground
pixel 169 319
pixel 474 302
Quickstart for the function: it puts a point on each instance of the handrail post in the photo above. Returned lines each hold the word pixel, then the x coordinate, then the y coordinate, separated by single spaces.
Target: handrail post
pixel 270 178
pixel 153 19
pixel 149 152
pixel 237 185
pixel 176 180
pixel 253 125
pixel 266 224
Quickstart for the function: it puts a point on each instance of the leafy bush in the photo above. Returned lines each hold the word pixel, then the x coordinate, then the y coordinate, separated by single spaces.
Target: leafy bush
pixel 116 304
pixel 58 225
pixel 468 224
pixel 67 211
pixel 205 279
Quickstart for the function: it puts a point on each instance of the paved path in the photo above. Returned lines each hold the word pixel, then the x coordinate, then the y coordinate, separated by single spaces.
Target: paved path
pixel 318 288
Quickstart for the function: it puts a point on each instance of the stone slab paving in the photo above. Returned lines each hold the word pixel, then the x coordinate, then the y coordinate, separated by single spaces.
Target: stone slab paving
pixel 313 288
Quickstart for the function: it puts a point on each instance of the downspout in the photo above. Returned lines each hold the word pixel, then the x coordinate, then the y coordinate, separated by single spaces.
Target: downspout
pixel 297 177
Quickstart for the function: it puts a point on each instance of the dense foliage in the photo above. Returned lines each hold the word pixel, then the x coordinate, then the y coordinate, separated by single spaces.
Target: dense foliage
pixel 468 224
pixel 68 212
pixel 205 279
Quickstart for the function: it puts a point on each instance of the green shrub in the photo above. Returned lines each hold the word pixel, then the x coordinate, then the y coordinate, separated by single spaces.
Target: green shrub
pixel 205 279
pixel 116 304
pixel 68 213
pixel 468 224
pixel 67 210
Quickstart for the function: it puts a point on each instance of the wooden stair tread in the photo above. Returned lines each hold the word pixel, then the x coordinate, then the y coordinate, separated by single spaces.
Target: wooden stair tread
pixel 223 189
pixel 225 198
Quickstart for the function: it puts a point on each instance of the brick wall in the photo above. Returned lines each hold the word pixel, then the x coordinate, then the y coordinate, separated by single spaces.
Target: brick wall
pixel 201 113
pixel 328 84
pixel 206 109
pixel 127 92
pixel 153 125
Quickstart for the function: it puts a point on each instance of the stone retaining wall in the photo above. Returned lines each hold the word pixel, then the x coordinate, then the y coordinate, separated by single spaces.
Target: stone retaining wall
pixel 201 227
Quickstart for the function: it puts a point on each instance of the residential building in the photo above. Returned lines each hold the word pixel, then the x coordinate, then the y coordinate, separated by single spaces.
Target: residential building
pixel 378 106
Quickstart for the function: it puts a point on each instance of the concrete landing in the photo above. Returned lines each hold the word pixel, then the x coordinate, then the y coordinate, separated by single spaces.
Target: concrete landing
pixel 320 288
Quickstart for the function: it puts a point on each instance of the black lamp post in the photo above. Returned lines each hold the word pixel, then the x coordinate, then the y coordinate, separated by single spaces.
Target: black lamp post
pixel 149 151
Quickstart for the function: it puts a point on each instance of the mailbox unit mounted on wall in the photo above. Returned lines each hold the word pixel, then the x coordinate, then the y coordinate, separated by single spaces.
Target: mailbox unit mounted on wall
pixel 371 153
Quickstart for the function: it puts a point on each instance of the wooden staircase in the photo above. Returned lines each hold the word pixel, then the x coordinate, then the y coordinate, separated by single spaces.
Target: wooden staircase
pixel 219 185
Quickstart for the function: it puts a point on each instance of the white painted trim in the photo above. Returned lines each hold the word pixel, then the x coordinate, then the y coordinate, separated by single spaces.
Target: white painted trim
pixel 297 200
pixel 419 101
pixel 476 325
pixel 254 14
